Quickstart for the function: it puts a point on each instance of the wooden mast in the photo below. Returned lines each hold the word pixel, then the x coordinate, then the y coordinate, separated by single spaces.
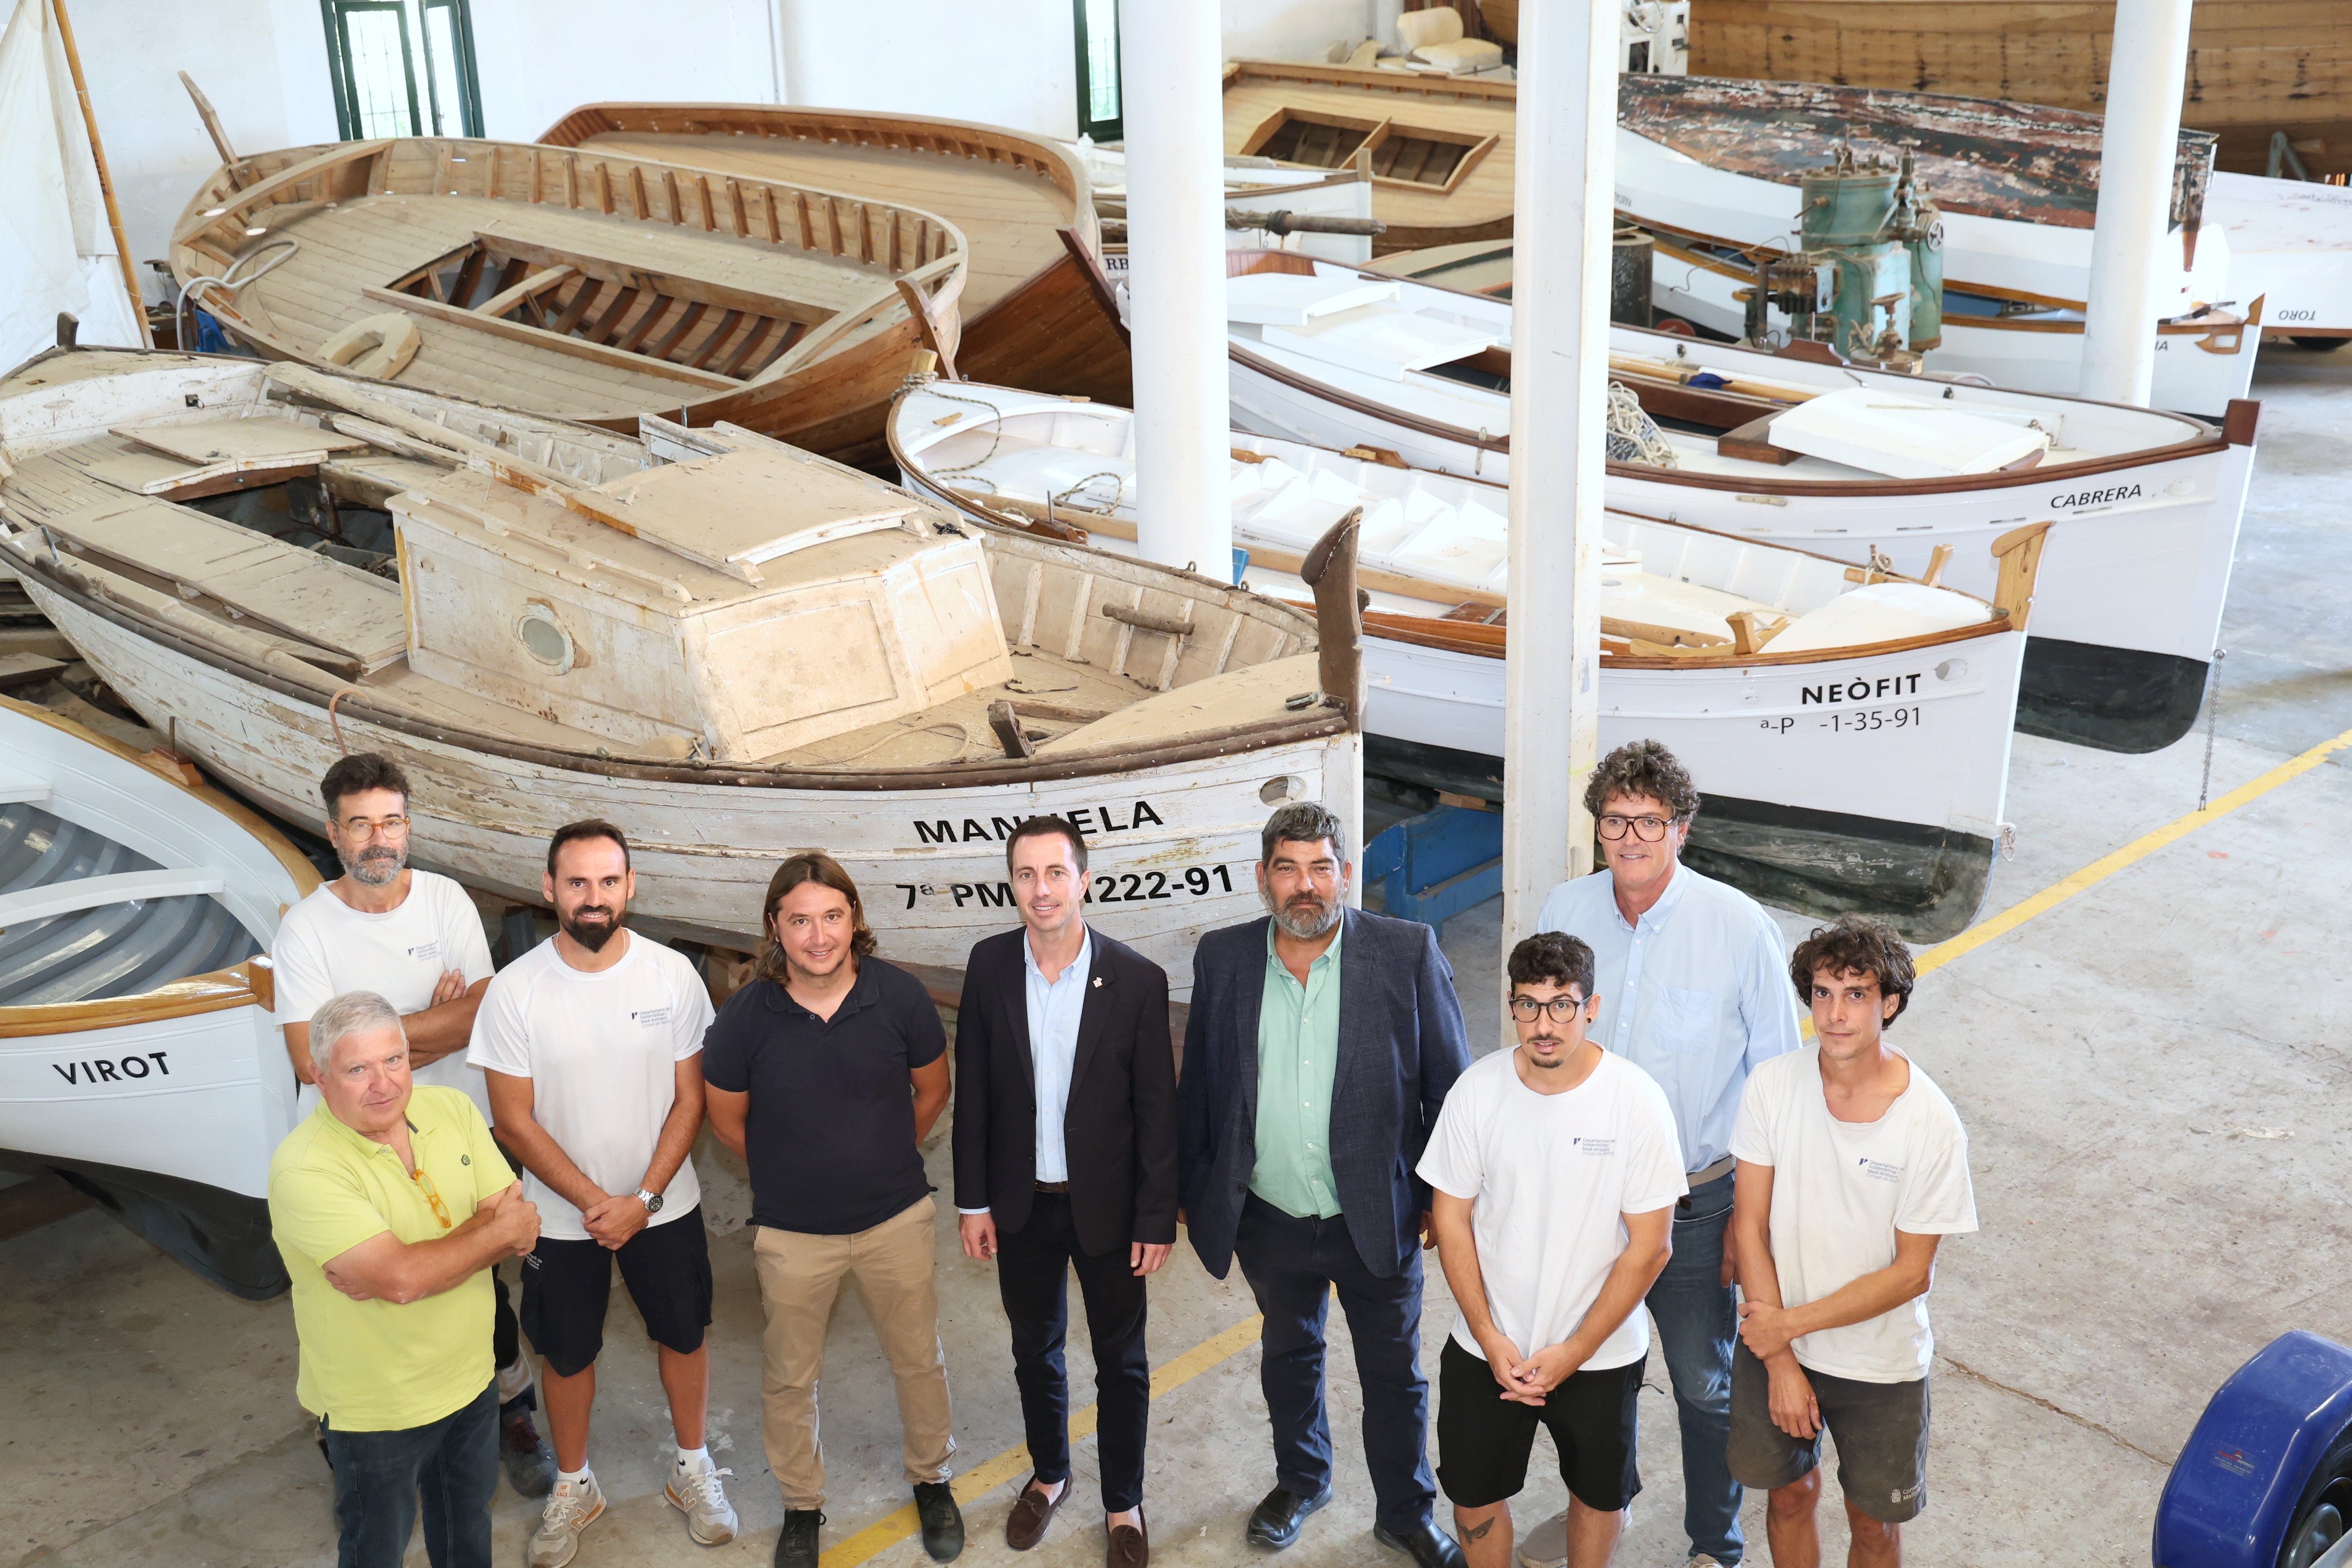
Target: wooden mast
pixel 105 181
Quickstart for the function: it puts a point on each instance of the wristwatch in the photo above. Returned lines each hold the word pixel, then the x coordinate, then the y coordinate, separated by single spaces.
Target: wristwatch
pixel 651 1200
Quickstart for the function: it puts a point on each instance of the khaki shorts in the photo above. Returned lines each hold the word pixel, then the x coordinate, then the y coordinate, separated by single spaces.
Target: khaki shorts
pixel 1880 1429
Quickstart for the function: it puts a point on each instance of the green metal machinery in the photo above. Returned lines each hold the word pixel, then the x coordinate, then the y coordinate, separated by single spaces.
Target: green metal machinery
pixel 1868 280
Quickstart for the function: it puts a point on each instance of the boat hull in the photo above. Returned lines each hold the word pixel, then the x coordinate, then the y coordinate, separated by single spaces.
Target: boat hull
pixel 1173 845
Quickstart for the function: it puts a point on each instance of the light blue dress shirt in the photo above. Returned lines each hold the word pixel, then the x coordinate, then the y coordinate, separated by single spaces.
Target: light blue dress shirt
pixel 1696 994
pixel 1053 1009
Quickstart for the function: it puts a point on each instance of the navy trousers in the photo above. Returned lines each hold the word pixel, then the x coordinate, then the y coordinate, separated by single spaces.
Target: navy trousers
pixel 1293 1265
pixel 1033 1265
pixel 452 1463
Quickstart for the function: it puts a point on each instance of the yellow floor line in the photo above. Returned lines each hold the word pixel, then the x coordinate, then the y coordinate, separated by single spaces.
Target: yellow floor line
pixel 1013 1463
pixel 981 1479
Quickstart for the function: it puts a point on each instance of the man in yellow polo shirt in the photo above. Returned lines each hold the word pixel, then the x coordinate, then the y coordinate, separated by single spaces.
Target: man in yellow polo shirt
pixel 391 1205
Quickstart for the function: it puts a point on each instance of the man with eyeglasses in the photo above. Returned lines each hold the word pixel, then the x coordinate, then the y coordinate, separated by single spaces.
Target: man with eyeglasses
pixel 1690 980
pixel 1554 1169
pixel 416 940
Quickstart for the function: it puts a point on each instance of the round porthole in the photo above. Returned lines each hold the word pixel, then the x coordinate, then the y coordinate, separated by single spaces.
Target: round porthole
pixel 1288 787
pixel 543 637
pixel 1951 669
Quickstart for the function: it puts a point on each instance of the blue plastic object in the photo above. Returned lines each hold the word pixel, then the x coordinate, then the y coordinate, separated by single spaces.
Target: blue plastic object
pixel 210 339
pixel 1241 565
pixel 2233 1489
pixel 1432 866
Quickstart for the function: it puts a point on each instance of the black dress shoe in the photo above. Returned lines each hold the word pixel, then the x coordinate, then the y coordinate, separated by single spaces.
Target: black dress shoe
pixel 796 1546
pixel 1276 1520
pixel 1424 1543
pixel 935 1505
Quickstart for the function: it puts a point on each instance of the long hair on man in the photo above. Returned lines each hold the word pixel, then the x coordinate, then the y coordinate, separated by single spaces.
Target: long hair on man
pixel 807 866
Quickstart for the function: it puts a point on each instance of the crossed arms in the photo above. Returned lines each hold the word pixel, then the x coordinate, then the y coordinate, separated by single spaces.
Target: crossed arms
pixel 384 1268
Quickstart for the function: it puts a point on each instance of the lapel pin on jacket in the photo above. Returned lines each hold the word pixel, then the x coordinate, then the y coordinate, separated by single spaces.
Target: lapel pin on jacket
pixel 1098 981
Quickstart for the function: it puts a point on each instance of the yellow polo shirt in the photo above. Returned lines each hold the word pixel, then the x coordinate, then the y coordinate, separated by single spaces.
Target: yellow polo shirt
pixel 375 1366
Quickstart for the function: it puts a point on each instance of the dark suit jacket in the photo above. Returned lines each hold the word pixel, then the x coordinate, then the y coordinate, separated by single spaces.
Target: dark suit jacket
pixel 1118 1128
pixel 1401 1045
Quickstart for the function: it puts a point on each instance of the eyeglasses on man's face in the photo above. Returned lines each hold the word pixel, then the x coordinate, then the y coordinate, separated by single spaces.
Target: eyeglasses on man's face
pixel 1648 829
pixel 1561 1008
pixel 367 830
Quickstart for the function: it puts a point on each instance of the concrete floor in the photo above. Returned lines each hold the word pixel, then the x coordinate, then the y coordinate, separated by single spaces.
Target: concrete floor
pixel 2153 1076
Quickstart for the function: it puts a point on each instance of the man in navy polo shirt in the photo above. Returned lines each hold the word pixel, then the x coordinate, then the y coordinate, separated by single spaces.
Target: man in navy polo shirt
pixel 825 1073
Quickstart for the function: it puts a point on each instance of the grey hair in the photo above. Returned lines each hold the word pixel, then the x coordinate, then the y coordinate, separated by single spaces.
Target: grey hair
pixel 352 1013
pixel 1303 822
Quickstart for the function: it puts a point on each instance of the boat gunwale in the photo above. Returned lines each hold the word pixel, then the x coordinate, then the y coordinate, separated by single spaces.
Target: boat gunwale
pixel 249 983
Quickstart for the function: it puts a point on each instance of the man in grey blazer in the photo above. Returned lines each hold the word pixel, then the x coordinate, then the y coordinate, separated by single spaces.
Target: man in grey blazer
pixel 1321 1044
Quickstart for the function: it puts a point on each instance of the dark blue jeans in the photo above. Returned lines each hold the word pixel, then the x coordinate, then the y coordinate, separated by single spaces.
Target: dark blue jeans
pixel 1293 1265
pixel 1697 1327
pixel 452 1463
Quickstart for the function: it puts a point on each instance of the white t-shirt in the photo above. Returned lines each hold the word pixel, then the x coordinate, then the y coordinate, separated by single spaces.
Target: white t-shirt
pixel 325 948
pixel 1839 1192
pixel 1551 1177
pixel 600 1050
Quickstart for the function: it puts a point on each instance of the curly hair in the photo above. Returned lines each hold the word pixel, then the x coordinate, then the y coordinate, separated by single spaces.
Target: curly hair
pixel 1553 958
pixel 1856 944
pixel 1643 767
pixel 808 866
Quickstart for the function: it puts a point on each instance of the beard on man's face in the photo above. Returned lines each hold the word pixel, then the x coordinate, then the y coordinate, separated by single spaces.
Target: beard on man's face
pixel 1307 916
pixel 374 865
pixel 594 925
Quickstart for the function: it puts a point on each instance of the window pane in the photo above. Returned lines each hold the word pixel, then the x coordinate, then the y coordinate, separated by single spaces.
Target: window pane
pixel 1102 59
pixel 378 73
pixel 441 56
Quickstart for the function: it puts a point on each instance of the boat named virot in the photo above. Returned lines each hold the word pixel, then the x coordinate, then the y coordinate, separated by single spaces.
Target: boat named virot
pixel 729 646
pixel 1850 730
pixel 1868 467
pixel 137 1054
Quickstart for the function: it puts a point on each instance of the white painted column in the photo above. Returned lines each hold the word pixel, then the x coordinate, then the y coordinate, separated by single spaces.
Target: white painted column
pixel 1560 357
pixel 1170 69
pixel 2136 155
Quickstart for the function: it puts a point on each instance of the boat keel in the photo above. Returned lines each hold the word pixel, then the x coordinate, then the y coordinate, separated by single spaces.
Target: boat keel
pixel 2116 698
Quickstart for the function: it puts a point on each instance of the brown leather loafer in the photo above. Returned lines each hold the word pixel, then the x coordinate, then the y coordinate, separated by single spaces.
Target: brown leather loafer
pixel 1024 1527
pixel 1129 1547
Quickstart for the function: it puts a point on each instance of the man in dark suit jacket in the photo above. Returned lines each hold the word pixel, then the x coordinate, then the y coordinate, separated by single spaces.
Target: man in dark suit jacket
pixel 1065 1156
pixel 1321 1044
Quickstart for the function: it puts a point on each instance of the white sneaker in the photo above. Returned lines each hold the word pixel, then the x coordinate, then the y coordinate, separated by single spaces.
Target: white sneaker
pixel 710 1517
pixel 572 1508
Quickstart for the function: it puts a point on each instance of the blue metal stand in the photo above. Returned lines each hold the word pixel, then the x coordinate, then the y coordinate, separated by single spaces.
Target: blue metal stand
pixel 1432 866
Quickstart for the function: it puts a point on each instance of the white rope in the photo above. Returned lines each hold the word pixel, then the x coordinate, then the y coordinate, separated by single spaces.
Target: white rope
pixel 1634 436
pixel 230 279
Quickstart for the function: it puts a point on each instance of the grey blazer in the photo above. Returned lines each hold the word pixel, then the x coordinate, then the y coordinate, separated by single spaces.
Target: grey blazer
pixel 1401 1045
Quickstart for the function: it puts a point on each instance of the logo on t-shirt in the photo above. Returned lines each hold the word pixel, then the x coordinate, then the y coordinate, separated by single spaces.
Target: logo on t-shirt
pixel 425 951
pixel 648 1016
pixel 1601 1147
pixel 1879 1170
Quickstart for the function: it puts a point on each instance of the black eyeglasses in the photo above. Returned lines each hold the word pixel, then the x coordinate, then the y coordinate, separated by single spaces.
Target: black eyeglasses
pixel 1648 829
pixel 1561 1008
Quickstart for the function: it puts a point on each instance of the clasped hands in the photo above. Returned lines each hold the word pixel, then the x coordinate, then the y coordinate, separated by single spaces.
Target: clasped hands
pixel 1525 1380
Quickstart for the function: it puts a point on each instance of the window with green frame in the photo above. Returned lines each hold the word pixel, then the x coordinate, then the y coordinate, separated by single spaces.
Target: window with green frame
pixel 1101 113
pixel 403 68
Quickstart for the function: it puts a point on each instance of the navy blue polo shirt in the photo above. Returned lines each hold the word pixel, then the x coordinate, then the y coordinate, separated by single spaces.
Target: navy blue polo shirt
pixel 830 1134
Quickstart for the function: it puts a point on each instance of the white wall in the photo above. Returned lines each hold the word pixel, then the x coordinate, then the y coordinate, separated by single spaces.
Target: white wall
pixel 540 59
pixel 1298 29
pixel 1005 62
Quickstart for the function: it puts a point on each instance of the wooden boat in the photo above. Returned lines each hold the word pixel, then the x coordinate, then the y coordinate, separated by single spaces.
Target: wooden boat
pixel 586 286
pixel 2145 504
pixel 2256 68
pixel 2291 245
pixel 728 646
pixel 1031 305
pixel 137 906
pixel 1440 147
pixel 1852 738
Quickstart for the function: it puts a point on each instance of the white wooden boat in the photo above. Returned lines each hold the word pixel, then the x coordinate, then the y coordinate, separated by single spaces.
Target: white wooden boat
pixel 1852 739
pixel 137 1054
pixel 2291 243
pixel 2145 505
pixel 729 647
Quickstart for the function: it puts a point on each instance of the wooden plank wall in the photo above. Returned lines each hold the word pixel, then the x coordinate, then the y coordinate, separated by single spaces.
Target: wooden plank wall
pixel 2254 66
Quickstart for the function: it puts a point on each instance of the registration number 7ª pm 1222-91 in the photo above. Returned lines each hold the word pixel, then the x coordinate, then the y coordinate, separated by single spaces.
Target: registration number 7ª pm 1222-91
pixel 1860 722
pixel 1112 888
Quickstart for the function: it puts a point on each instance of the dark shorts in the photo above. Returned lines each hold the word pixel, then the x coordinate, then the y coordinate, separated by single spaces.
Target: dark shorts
pixel 1880 1429
pixel 1483 1440
pixel 566 1284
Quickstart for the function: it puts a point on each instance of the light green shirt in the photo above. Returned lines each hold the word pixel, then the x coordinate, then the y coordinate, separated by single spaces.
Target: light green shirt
pixel 375 1366
pixel 1297 1055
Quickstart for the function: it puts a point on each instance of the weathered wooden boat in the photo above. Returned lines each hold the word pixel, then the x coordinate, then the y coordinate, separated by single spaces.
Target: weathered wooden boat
pixel 2145 504
pixel 2258 69
pixel 1851 730
pixel 137 1047
pixel 1032 305
pixel 728 646
pixel 1440 146
pixel 584 285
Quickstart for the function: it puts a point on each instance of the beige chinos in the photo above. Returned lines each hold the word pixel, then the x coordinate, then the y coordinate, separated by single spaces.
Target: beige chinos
pixel 800 1274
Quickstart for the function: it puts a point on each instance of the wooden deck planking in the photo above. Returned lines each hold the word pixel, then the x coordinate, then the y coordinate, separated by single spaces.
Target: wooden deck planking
pixel 1484 195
